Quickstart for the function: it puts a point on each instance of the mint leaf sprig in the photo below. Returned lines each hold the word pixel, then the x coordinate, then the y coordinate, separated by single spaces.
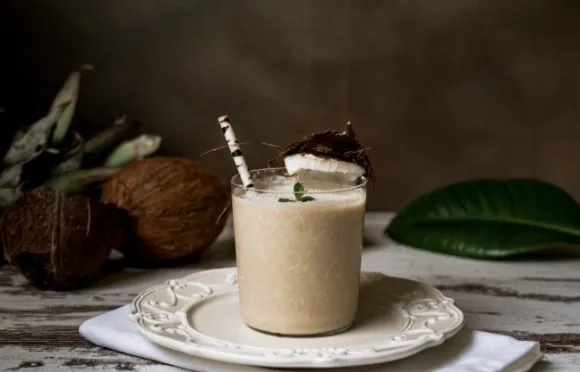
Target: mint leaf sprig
pixel 299 195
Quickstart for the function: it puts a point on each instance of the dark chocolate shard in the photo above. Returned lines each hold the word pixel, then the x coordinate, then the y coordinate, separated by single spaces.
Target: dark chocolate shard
pixel 333 144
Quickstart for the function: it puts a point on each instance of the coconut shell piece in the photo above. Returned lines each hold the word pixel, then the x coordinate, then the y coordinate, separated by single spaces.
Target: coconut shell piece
pixel 333 144
pixel 59 242
pixel 177 207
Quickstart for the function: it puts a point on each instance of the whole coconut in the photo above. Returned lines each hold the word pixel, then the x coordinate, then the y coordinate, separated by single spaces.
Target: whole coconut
pixel 59 242
pixel 177 207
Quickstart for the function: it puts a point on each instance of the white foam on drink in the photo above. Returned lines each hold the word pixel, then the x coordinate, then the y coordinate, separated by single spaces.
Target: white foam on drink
pixel 321 191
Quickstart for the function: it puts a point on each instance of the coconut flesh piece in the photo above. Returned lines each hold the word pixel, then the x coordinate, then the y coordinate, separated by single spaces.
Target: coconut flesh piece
pixel 327 155
pixel 308 165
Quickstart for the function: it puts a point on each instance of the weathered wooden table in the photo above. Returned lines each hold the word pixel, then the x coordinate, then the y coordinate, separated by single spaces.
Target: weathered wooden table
pixel 531 300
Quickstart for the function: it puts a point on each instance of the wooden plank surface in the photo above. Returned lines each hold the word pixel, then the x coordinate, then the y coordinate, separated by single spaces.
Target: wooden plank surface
pixel 532 300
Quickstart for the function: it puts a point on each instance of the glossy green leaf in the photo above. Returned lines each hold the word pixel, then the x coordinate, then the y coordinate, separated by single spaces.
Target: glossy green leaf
pixel 489 219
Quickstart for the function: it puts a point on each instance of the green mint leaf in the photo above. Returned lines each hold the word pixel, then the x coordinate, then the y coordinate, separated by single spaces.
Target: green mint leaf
pixel 299 190
pixel 306 198
pixel 286 200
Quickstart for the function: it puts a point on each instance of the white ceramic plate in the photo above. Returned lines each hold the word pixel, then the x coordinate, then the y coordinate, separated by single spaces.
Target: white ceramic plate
pixel 199 315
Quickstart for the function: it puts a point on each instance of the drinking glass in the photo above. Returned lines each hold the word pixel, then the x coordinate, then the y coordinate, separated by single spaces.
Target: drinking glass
pixel 298 253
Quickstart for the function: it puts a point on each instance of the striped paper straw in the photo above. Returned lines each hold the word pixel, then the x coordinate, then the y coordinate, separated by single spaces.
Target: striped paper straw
pixel 235 150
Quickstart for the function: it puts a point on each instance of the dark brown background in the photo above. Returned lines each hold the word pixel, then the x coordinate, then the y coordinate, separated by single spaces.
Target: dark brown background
pixel 440 90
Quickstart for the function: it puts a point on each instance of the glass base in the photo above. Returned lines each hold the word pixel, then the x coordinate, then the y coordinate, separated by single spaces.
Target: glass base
pixel 320 334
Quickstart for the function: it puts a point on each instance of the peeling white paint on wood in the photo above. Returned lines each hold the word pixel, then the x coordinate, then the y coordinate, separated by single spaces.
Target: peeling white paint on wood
pixel 529 300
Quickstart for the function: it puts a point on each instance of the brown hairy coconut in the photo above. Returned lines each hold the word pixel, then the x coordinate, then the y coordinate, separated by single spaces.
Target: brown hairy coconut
pixel 59 242
pixel 177 207
pixel 332 144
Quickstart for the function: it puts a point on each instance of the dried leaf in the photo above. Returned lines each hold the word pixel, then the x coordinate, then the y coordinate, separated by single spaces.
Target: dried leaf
pixel 108 137
pixel 10 176
pixel 8 195
pixel 27 146
pixel 72 158
pixel 65 104
pixel 135 149
pixel 75 182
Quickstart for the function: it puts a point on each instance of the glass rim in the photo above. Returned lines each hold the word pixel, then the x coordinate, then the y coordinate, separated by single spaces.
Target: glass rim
pixel 236 181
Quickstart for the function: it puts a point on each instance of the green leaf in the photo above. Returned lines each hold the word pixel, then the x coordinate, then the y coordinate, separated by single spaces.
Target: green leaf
pixel 299 190
pixel 491 219
pixel 286 200
pixel 306 198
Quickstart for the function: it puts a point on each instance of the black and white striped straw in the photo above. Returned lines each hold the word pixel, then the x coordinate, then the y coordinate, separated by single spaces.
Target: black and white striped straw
pixel 235 150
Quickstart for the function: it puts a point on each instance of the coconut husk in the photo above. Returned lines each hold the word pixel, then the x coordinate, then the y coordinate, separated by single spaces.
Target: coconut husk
pixel 59 242
pixel 175 205
pixel 332 144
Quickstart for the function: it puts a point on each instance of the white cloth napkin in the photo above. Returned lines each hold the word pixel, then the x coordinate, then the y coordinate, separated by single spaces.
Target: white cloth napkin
pixel 467 351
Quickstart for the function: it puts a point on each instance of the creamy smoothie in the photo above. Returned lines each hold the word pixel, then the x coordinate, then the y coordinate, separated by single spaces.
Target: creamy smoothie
pixel 298 262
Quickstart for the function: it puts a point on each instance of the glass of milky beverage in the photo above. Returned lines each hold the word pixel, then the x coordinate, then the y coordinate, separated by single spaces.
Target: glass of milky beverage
pixel 298 251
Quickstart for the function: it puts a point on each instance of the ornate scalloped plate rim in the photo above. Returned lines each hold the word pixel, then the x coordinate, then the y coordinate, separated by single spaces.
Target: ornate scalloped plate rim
pixel 278 357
